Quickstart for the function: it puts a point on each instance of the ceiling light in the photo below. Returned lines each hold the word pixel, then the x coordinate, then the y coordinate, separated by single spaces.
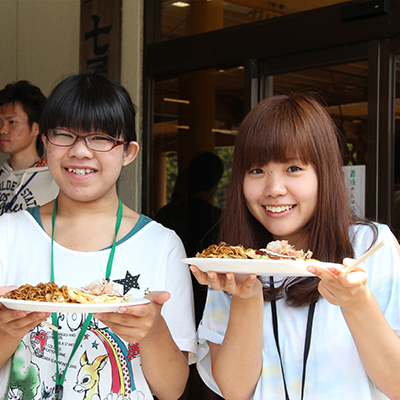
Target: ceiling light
pixel 180 4
pixel 225 131
pixel 171 100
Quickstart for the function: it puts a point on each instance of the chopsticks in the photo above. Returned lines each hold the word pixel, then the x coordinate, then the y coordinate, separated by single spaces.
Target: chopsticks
pixel 367 254
pixel 50 326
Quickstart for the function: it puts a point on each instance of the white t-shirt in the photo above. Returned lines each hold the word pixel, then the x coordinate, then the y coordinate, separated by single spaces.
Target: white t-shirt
pixel 26 188
pixel 334 369
pixel 146 261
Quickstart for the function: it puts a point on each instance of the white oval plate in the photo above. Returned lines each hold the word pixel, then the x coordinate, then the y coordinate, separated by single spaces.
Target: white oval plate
pixel 259 267
pixel 28 305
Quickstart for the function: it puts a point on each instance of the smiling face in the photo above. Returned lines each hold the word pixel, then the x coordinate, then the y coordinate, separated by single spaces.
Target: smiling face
pixel 16 136
pixel 85 175
pixel 283 198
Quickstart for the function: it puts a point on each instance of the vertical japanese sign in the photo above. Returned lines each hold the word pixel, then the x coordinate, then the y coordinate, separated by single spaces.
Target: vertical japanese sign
pixel 354 176
pixel 100 36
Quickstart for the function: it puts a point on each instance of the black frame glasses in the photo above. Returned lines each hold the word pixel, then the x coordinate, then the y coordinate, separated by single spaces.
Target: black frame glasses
pixel 116 142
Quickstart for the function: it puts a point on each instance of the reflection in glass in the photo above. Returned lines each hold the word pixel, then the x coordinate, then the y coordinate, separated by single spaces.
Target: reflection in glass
pixel 193 113
pixel 344 90
pixel 396 195
pixel 177 17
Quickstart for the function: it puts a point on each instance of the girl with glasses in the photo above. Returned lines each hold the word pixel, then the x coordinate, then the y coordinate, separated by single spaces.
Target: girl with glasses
pixel 85 235
pixel 329 336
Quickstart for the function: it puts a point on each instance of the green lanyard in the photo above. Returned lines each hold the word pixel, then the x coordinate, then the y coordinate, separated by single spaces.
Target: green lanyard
pixel 60 378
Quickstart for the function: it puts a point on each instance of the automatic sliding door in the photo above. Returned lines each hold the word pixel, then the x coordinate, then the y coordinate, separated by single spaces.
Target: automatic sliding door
pixel 344 90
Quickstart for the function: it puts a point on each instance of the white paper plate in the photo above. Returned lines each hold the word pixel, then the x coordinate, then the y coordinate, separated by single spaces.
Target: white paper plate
pixel 27 305
pixel 259 267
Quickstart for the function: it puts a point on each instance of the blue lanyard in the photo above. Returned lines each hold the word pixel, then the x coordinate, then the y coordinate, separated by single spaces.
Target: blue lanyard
pixel 60 378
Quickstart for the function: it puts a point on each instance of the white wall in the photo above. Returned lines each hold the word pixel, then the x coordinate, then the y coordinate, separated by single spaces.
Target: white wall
pixel 40 43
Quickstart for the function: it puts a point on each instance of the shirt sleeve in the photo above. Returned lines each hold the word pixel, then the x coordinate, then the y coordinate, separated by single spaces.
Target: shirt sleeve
pixel 383 270
pixel 178 311
pixel 212 329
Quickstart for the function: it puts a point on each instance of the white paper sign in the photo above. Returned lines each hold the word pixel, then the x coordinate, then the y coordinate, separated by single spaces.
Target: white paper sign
pixel 354 176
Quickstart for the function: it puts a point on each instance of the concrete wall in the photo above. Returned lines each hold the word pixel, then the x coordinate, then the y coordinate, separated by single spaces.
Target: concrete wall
pixel 40 43
pixel 130 184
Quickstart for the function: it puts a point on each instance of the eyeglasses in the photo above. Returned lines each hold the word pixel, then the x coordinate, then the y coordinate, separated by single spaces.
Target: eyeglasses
pixel 94 141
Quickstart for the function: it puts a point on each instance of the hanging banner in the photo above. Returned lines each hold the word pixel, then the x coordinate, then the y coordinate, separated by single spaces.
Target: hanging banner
pixel 100 36
pixel 355 181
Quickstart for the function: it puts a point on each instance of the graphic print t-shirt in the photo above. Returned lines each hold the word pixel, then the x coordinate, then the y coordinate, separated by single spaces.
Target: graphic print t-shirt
pixel 104 366
pixel 26 188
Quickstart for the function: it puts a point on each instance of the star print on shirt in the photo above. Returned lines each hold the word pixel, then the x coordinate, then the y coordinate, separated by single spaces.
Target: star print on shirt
pixel 95 345
pixel 129 282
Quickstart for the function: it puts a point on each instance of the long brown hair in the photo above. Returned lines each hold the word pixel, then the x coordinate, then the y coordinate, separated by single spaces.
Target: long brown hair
pixel 281 128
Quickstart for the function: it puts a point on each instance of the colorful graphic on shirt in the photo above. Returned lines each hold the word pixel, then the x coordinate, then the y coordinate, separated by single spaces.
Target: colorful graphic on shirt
pixel 38 341
pixel 120 361
pixel 24 379
pixel 88 377
pixel 105 354
pixel 129 282
pixel 46 392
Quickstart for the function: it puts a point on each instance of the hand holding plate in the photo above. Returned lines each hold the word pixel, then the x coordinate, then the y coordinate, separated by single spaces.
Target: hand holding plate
pixel 6 289
pixel 18 323
pixel 134 323
pixel 240 285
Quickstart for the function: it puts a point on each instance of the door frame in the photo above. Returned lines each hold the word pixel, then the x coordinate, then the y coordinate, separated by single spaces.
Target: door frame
pixel 304 43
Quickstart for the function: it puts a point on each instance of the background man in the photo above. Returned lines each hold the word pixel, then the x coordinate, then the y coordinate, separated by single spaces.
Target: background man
pixel 25 180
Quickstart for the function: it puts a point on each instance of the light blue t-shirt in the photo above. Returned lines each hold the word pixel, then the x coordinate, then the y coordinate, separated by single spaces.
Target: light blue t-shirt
pixel 334 368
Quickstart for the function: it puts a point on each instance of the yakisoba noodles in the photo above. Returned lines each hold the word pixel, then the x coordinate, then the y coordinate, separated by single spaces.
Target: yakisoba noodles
pixel 223 250
pixel 96 292
pixel 276 250
pixel 48 292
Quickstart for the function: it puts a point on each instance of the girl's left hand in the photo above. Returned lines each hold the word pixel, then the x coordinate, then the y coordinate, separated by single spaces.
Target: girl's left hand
pixel 342 286
pixel 134 323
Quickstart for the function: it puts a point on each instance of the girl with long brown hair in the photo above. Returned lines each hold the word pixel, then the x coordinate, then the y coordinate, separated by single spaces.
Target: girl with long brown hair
pixel 331 336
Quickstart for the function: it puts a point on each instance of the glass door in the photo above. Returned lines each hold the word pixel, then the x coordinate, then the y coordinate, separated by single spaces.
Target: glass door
pixel 359 87
pixel 341 79
pixel 395 211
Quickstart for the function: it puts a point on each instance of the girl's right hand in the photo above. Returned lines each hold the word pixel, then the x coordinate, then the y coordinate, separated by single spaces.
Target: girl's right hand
pixel 243 286
pixel 18 323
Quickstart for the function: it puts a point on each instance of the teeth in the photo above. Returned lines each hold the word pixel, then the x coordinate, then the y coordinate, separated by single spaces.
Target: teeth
pixel 278 209
pixel 80 171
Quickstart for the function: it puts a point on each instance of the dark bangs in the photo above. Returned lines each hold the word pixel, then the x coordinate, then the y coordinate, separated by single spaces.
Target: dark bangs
pixel 277 132
pixel 90 102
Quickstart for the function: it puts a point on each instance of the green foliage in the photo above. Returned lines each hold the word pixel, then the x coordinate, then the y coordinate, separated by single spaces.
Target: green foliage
pixel 172 173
